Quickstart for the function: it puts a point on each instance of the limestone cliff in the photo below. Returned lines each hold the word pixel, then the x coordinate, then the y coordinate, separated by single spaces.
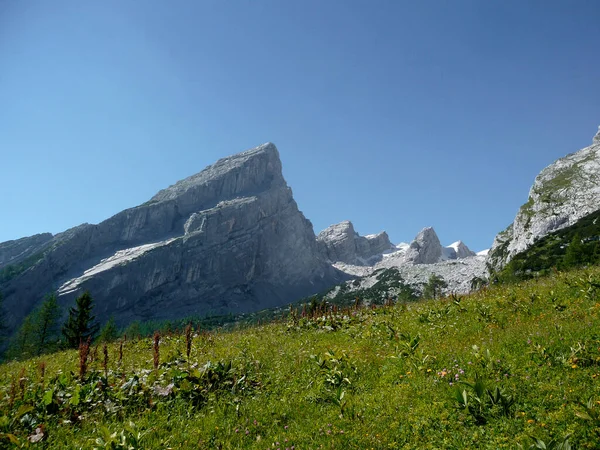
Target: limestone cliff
pixel 562 193
pixel 228 239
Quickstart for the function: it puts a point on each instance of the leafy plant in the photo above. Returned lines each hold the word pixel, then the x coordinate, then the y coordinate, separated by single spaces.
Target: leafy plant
pixel 482 402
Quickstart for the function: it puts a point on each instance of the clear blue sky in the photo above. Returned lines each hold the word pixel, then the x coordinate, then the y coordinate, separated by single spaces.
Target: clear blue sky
pixel 393 114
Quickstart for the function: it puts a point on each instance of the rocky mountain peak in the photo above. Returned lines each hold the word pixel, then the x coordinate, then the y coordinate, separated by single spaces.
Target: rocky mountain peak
pixel 246 172
pixel 458 250
pixel 562 193
pixel 228 239
pixel 341 243
pixel 425 248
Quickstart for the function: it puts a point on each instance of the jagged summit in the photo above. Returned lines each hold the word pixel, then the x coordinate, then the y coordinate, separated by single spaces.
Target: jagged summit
pixel 248 171
pixel 457 250
pixel 597 136
pixel 341 243
pixel 425 248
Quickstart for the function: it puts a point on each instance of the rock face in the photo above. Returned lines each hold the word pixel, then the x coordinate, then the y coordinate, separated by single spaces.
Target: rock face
pixel 562 193
pixel 228 239
pixel 425 249
pixel 13 252
pixel 457 250
pixel 341 243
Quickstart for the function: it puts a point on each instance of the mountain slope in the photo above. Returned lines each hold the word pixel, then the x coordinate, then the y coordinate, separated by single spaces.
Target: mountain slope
pixel 228 239
pixel 562 193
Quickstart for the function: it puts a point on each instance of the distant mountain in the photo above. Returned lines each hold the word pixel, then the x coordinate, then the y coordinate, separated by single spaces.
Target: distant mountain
pixel 340 243
pixel 231 239
pixel 228 239
pixel 366 257
pixel 563 193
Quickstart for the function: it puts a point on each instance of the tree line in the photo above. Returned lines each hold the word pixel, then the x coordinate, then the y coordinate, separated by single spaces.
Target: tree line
pixel 42 332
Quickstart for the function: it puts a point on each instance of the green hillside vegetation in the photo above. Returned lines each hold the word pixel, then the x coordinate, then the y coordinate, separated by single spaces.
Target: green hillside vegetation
pixel 512 365
pixel 11 271
pixel 573 246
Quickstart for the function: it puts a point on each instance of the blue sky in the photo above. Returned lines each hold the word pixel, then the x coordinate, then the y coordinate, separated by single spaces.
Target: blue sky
pixel 393 114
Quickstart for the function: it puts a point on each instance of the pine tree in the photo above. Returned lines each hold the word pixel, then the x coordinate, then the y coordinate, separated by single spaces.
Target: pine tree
pixel 109 331
pixel 45 323
pixel 434 286
pixel 574 255
pixel 21 345
pixel 80 325
pixel 38 332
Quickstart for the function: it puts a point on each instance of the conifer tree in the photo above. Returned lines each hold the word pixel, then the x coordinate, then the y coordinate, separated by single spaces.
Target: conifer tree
pixel 574 255
pixel 434 286
pixel 21 345
pixel 38 332
pixel 45 325
pixel 109 331
pixel 80 325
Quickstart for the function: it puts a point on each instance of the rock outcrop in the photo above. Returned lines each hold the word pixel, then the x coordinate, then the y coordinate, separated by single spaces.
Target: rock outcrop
pixel 457 250
pixel 14 252
pixel 228 239
pixel 341 243
pixel 425 248
pixel 562 193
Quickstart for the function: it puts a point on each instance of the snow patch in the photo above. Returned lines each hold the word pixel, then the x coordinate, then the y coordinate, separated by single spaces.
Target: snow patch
pixel 120 257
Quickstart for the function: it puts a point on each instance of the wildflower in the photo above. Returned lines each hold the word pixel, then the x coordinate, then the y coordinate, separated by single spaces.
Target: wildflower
pixel 574 366
pixel 531 421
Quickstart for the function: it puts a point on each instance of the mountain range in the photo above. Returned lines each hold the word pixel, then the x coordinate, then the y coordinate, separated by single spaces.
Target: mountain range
pixel 231 239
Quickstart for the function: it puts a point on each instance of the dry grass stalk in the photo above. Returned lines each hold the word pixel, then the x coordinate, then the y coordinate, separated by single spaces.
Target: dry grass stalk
pixel 188 340
pixel 84 351
pixel 156 350
pixel 105 361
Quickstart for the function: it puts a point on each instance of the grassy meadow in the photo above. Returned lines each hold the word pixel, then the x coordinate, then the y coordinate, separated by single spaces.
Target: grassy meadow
pixel 510 366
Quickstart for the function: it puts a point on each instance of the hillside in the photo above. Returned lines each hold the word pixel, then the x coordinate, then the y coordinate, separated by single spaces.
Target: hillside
pixel 572 246
pixel 495 369
pixel 562 193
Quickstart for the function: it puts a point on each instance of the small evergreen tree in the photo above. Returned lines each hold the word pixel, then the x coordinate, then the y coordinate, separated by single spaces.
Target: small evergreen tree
pixel 21 345
pixel 434 286
pixel 109 331
pixel 574 255
pixel 133 330
pixel 39 331
pixel 45 325
pixel 80 325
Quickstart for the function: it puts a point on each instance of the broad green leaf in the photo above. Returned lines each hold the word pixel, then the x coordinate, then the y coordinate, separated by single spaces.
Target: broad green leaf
pixel 48 397
pixel 75 398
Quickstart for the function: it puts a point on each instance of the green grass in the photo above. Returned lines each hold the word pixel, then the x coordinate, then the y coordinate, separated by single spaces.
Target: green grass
pixel 384 378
